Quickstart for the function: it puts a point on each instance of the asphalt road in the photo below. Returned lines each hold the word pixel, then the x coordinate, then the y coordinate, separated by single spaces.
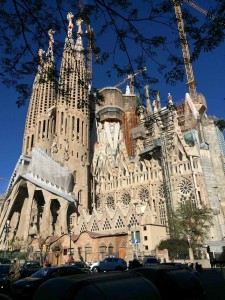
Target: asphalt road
pixel 213 281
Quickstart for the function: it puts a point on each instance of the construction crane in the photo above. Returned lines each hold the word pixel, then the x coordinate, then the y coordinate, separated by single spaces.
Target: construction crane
pixel 90 36
pixel 185 50
pixel 4 179
pixel 131 79
pixel 186 55
pixel 199 8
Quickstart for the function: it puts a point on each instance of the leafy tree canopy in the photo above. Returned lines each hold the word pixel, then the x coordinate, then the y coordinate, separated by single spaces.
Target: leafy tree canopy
pixel 191 223
pixel 127 34
pixel 176 247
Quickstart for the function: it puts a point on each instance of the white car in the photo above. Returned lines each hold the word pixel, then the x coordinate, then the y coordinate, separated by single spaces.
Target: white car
pixel 109 264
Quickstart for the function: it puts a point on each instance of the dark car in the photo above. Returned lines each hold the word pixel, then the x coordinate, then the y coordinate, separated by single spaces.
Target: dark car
pixel 150 261
pixel 4 260
pixel 182 266
pixel 80 265
pixel 26 287
pixel 8 274
pixel 29 268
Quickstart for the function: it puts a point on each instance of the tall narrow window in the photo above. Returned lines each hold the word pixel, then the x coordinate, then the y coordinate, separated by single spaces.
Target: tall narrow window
pixel 78 125
pixel 82 132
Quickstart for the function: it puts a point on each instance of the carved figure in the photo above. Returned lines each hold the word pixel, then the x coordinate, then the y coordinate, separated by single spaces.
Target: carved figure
pixel 54 147
pixel 100 133
pixel 66 152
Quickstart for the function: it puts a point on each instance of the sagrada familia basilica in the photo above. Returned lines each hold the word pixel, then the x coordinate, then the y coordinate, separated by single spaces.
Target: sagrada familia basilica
pixel 102 179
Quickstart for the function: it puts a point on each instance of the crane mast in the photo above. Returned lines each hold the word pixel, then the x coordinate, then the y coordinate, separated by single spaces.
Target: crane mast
pixel 4 179
pixel 185 50
pixel 131 79
pixel 200 9
pixel 90 37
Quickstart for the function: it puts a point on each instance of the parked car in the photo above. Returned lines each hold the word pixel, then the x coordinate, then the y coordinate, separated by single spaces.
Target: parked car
pixel 8 274
pixel 150 261
pixel 29 268
pixel 4 260
pixel 80 265
pixel 26 287
pixel 109 264
pixel 182 266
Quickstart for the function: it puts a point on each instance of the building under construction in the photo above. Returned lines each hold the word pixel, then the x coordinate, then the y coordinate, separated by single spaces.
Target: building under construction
pixel 91 187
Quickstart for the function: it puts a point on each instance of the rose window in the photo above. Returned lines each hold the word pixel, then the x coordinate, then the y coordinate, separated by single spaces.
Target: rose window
pixel 126 198
pixel 185 187
pixel 110 202
pixel 144 195
pixel 163 191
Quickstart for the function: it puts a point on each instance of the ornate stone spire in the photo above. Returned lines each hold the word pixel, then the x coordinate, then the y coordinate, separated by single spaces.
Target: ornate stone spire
pixel 43 98
pixel 79 43
pixel 40 54
pixel 49 54
pixel 70 26
pixel 156 103
pixel 170 99
pixel 148 103
pixel 51 39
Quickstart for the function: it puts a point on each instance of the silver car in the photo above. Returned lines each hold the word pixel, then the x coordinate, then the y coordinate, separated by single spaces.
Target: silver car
pixel 109 264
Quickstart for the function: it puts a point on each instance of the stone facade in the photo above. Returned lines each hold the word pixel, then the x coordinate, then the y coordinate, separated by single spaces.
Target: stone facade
pixel 103 182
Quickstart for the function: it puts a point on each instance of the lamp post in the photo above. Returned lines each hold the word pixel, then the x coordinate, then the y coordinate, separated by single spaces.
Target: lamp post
pixel 6 229
pixel 70 234
pixel 135 230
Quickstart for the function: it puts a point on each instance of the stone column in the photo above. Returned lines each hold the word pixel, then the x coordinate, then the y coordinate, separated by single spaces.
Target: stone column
pixel 63 216
pixel 24 224
pixel 45 225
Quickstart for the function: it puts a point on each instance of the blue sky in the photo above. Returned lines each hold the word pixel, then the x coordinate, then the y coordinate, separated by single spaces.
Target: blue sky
pixel 208 72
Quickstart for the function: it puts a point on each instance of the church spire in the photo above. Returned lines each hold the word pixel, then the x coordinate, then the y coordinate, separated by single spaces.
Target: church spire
pixel 70 26
pixel 79 42
pixel 49 53
pixel 148 103
pixel 72 126
pixel 39 124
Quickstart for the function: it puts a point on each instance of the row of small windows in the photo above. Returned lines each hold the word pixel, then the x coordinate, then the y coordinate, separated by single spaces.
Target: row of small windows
pixel 139 178
pixel 89 250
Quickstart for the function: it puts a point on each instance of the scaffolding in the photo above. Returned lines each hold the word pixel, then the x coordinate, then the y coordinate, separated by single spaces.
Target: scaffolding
pixel 130 121
pixel 186 120
pixel 159 141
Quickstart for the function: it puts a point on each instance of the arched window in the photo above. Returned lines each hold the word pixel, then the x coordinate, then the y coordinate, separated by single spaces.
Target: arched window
pixel 110 249
pixel 102 248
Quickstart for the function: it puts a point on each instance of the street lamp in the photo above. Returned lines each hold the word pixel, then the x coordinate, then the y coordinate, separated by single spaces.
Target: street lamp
pixel 135 230
pixel 70 234
pixel 6 229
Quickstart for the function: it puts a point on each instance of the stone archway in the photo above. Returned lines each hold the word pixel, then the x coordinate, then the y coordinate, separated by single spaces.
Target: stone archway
pixel 54 208
pixel 57 251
